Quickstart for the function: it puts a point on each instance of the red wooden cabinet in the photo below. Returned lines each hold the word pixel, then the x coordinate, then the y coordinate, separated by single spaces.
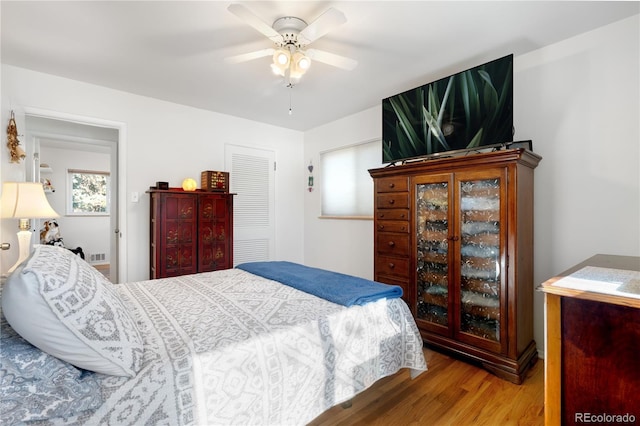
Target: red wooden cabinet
pixel 190 232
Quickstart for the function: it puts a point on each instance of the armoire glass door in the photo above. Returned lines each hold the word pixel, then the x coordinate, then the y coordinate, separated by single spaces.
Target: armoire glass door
pixel 432 231
pixel 480 257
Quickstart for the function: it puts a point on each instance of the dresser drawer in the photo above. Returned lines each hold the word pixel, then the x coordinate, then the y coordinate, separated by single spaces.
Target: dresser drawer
pixel 396 266
pixel 392 226
pixel 394 214
pixel 392 201
pixel 392 243
pixel 392 184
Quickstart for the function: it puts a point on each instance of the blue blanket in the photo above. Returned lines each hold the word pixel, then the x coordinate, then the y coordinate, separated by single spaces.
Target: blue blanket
pixel 338 288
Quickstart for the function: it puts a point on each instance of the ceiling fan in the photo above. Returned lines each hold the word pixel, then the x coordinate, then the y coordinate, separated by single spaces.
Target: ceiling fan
pixel 291 36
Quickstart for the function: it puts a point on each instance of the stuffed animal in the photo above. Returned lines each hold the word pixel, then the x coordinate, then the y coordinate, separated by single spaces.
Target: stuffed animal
pixel 46 185
pixel 50 234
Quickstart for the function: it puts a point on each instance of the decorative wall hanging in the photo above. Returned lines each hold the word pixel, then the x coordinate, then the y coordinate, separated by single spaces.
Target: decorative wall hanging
pixel 310 181
pixel 16 153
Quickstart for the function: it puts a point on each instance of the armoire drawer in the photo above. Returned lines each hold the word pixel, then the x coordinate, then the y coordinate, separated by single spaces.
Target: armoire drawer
pixel 392 184
pixel 392 201
pixel 392 226
pixel 393 243
pixel 396 266
pixel 392 214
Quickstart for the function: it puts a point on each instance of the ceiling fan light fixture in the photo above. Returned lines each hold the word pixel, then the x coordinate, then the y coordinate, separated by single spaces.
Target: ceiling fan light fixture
pixel 291 34
pixel 277 70
pixel 281 57
pixel 294 76
pixel 281 61
pixel 302 61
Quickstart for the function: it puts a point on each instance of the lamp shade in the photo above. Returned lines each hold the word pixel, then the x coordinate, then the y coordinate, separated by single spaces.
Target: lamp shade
pixel 25 200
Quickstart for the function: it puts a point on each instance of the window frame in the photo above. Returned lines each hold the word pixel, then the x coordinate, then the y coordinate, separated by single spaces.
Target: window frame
pixel 69 198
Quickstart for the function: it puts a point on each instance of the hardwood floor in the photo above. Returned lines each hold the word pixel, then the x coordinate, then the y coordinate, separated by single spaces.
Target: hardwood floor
pixel 104 269
pixel 450 392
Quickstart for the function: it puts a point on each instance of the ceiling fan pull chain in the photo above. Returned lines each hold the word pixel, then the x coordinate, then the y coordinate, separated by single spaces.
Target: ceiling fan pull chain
pixel 290 86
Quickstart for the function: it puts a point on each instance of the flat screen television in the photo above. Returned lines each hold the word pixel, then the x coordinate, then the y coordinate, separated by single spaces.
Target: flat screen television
pixel 465 111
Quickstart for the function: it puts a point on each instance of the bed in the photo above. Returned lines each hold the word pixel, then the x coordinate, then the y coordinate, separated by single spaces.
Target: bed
pixel 224 347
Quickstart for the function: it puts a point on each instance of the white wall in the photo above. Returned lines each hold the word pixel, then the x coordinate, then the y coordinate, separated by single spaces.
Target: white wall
pixel 341 245
pixel 578 100
pixel 164 142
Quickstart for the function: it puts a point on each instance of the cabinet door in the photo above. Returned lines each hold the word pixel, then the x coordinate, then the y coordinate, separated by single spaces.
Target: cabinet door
pixel 433 236
pixel 213 228
pixel 178 234
pixel 480 240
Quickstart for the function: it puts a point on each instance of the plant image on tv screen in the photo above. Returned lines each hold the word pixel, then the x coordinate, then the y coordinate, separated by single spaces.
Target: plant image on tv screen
pixel 467 110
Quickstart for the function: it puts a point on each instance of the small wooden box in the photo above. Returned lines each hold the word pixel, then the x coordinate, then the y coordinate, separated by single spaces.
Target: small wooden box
pixel 215 181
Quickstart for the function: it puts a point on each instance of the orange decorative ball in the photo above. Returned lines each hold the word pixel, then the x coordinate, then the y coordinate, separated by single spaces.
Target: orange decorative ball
pixel 189 184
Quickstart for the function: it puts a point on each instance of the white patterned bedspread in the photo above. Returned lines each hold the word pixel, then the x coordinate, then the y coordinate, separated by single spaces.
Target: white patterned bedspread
pixel 229 347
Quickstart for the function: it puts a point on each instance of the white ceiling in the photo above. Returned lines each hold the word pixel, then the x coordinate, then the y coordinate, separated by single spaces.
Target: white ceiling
pixel 175 50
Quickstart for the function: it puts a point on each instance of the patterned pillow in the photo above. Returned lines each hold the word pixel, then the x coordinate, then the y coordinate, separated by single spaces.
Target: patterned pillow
pixel 53 387
pixel 64 306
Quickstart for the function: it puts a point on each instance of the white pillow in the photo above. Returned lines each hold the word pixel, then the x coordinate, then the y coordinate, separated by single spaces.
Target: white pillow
pixel 62 305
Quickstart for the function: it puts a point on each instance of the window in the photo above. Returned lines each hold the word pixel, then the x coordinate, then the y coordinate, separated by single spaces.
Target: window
pixel 346 186
pixel 88 193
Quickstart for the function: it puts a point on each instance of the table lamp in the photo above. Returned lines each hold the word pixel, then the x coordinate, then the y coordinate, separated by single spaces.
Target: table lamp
pixel 24 201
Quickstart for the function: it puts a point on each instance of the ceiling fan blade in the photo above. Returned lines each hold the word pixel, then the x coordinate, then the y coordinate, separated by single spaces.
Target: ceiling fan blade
pixel 331 59
pixel 249 56
pixel 252 20
pixel 329 20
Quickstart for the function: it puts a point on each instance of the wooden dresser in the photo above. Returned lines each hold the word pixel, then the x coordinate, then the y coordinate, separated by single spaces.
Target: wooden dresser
pixel 592 347
pixel 457 235
pixel 392 243
pixel 190 232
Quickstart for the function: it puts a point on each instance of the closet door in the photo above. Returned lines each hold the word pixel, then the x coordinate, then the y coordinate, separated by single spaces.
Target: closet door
pixel 252 178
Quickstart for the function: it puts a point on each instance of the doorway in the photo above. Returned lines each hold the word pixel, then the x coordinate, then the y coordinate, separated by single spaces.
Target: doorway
pixel 95 146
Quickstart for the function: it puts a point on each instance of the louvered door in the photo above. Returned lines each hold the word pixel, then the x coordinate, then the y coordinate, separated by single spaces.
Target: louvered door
pixel 253 172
